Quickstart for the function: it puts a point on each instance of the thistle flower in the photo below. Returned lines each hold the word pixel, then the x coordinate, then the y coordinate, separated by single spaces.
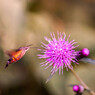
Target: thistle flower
pixel 82 53
pixel 59 53
pixel 78 89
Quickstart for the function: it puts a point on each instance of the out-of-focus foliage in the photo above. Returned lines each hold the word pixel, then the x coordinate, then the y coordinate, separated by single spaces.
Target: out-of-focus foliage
pixel 24 22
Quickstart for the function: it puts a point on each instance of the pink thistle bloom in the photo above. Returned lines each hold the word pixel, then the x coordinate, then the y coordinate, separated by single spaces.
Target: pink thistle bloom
pixel 78 89
pixel 82 53
pixel 59 53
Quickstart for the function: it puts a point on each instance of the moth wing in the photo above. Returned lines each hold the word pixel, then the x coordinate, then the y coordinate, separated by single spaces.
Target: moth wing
pixel 11 53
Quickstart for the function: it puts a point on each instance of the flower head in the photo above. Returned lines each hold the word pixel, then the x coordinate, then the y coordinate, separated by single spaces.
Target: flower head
pixel 59 53
pixel 82 53
pixel 78 89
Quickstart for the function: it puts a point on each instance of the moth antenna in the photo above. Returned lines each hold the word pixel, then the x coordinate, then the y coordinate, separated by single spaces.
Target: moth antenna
pixel 33 47
pixel 29 45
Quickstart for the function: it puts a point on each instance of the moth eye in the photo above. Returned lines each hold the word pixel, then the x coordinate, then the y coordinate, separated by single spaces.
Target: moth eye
pixel 26 48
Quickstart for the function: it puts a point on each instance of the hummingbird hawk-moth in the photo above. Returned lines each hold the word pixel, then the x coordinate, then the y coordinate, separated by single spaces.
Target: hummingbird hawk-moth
pixel 17 54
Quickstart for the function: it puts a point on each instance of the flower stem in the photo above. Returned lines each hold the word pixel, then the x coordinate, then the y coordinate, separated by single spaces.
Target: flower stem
pixel 82 83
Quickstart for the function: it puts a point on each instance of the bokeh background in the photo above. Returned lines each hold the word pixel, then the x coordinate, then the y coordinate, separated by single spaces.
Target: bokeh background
pixel 24 22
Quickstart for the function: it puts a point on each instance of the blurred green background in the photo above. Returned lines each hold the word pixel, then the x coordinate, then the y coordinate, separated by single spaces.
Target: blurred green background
pixel 24 22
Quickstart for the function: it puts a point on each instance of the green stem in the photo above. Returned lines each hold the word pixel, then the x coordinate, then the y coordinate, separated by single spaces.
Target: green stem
pixel 82 83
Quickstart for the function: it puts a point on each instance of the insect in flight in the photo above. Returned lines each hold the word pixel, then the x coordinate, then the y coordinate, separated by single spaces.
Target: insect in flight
pixel 17 54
